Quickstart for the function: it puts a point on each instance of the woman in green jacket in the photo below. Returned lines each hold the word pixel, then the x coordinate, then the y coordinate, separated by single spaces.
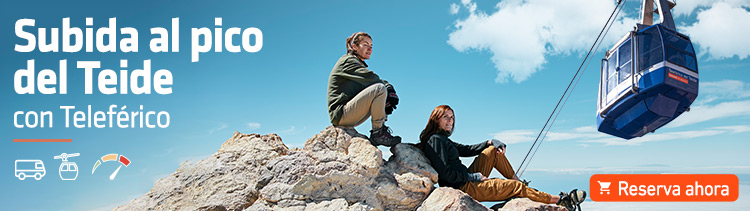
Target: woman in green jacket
pixel 444 156
pixel 356 93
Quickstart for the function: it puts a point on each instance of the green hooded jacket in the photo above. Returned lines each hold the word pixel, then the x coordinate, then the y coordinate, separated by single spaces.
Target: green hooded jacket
pixel 348 77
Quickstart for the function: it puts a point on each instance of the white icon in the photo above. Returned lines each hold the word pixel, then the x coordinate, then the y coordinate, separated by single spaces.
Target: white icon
pixel 68 170
pixel 112 157
pixel 604 187
pixel 28 168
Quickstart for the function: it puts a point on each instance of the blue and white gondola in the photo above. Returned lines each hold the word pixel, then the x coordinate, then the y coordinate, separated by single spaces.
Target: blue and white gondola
pixel 649 78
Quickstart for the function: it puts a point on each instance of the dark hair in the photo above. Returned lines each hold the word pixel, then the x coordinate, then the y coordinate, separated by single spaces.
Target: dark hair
pixel 354 40
pixel 433 125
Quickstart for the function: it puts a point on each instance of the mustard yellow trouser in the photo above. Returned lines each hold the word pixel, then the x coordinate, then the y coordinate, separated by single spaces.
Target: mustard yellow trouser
pixel 498 189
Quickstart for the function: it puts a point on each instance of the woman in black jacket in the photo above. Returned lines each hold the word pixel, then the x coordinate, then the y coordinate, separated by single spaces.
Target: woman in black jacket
pixel 444 155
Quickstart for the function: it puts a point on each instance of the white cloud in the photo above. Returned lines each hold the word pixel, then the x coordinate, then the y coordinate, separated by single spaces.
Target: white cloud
pixel 518 136
pixel 653 137
pixel 650 168
pixel 688 7
pixel 742 203
pixel 515 136
pixel 721 30
pixel 735 128
pixel 723 90
pixel 702 113
pixel 589 134
pixel 520 39
pixel 454 9
pixel 731 93
pixel 521 34
pixel 719 100
pixel 221 126
pixel 469 5
pixel 292 130
pixel 253 125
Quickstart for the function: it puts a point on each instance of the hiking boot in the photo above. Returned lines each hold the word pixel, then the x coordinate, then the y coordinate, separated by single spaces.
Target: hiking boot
pixel 382 136
pixel 573 200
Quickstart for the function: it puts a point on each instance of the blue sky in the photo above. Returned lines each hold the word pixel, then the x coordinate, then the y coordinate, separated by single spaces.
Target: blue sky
pixel 501 66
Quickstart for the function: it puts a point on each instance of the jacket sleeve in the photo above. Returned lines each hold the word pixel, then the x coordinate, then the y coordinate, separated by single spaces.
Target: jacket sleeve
pixel 470 150
pixel 356 71
pixel 386 82
pixel 437 151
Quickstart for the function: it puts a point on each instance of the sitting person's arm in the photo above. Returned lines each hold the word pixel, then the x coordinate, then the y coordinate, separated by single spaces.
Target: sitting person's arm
pixel 353 70
pixel 437 150
pixel 470 150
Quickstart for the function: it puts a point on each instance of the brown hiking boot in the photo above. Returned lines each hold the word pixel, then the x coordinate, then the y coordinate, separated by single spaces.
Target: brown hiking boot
pixel 382 136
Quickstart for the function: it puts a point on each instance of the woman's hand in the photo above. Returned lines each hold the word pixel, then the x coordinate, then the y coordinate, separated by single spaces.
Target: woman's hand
pixel 485 178
pixel 499 145
pixel 501 151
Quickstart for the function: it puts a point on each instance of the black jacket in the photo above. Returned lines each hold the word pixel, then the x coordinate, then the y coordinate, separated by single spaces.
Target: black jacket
pixel 443 154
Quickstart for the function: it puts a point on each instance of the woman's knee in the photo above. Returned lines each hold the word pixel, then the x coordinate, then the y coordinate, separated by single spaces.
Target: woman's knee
pixel 489 150
pixel 515 183
pixel 377 88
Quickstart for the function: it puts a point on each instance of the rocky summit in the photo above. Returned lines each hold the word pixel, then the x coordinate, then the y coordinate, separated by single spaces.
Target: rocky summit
pixel 337 169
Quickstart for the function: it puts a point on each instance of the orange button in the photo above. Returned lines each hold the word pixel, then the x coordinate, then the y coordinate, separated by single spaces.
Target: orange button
pixel 664 187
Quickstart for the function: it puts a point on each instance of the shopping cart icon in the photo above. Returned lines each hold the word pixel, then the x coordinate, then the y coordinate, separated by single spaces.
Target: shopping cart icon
pixel 604 187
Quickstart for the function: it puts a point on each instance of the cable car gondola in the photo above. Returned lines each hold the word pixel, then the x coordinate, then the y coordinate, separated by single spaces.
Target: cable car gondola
pixel 648 78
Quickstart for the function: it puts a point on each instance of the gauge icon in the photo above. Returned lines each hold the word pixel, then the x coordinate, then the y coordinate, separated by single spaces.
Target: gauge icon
pixel 112 157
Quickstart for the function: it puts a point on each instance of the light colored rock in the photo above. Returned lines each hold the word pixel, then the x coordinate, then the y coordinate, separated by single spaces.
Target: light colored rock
pixel 407 158
pixel 525 204
pixel 331 139
pixel 450 199
pixel 414 183
pixel 388 192
pixel 227 180
pixel 288 169
pixel 399 186
pixel 337 169
pixel 360 207
pixel 291 203
pixel 276 192
pixel 259 205
pixel 336 204
pixel 364 154
pixel 337 185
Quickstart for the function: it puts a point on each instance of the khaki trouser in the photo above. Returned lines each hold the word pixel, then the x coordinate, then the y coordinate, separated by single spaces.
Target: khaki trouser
pixel 498 189
pixel 369 101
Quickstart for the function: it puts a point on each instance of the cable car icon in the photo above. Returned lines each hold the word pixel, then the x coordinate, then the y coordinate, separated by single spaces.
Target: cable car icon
pixel 68 170
pixel 30 168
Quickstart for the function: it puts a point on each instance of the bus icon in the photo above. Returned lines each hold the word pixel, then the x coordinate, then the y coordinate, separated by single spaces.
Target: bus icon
pixel 30 168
